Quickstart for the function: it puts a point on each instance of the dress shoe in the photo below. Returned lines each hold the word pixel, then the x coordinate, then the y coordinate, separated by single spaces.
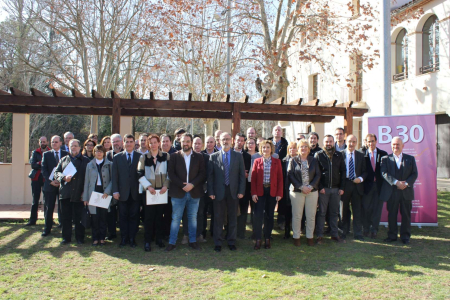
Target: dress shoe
pixel 338 239
pixel 30 224
pixel 80 242
pixel 286 237
pixel 111 237
pixel 232 247
pixel 297 242
pixel 218 248
pixel 185 240
pixel 257 245
pixel 389 240
pixel 319 241
pixel 65 242
pixel 45 233
pixel 201 239
pixel 343 236
pixel 373 235
pixel 405 241
pixel 123 243
pixel 267 244
pixel 310 242
pixel 366 234
pixel 147 247
pixel 160 243
pixel 169 248
pixel 359 238
pixel 194 246
pixel 133 243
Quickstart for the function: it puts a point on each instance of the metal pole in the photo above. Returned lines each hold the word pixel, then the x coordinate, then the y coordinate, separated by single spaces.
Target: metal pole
pixel 228 45
pixel 386 38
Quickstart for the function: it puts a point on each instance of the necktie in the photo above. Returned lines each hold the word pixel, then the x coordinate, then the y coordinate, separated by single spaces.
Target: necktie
pixel 129 159
pixel 351 169
pixel 226 169
pixel 56 157
pixel 372 161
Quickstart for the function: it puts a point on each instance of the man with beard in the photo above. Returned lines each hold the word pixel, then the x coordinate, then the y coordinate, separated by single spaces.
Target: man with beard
pixel 37 179
pixel 331 187
pixel 187 175
pixel 314 143
pixel 251 133
pixel 177 142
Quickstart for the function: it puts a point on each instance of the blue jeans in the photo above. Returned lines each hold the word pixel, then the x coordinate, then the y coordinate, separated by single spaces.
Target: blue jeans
pixel 178 205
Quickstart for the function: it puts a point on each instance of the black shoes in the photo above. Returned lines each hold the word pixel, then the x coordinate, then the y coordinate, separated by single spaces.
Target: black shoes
pixel 124 242
pixel 111 237
pixel 194 246
pixel 147 247
pixel 406 242
pixel 232 247
pixel 359 238
pixel 30 224
pixel 389 240
pixel 160 243
pixel 169 248
pixel 218 248
pixel 80 242
pixel 45 233
pixel 65 242
pixel 133 243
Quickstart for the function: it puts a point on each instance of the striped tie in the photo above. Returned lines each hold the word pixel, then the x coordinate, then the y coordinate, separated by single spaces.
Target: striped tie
pixel 226 167
pixel 351 169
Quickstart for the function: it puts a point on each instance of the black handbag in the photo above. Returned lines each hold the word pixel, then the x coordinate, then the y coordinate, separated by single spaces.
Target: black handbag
pixel 32 173
pixel 86 218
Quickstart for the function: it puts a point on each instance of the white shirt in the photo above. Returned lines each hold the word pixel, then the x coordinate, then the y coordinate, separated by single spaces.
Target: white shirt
pixel 398 159
pixel 140 151
pixel 99 180
pixel 59 153
pixel 347 161
pixel 187 160
pixel 131 155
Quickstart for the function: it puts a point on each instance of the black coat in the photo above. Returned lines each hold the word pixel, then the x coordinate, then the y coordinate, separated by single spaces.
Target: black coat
pixel 295 173
pixel 282 152
pixel 368 182
pixel 48 164
pixel 409 174
pixel 72 190
pixel 333 172
pixel 360 168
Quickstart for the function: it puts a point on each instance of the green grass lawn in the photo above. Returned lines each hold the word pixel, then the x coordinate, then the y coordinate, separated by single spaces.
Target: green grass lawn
pixel 32 267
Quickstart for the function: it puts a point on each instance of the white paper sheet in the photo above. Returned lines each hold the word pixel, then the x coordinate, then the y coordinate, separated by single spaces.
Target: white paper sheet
pixel 70 170
pixel 52 175
pixel 157 199
pixel 97 200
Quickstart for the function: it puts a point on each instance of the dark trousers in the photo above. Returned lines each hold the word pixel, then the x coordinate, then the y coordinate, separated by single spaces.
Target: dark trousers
pixel 330 201
pixel 351 196
pixel 99 224
pixel 209 207
pixel 49 207
pixel 242 219
pixel 371 211
pixel 167 217
pixel 393 204
pixel 111 220
pixel 71 212
pixel 264 212
pixel 153 221
pixel 288 221
pixel 129 218
pixel 36 187
pixel 229 206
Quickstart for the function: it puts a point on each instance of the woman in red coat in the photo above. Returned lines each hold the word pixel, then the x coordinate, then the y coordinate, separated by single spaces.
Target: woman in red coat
pixel 267 190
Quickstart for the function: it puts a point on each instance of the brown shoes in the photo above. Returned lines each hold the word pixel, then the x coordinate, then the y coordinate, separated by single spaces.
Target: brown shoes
pixel 310 242
pixel 297 242
pixel 267 244
pixel 319 241
pixel 257 245
pixel 169 248
pixel 338 239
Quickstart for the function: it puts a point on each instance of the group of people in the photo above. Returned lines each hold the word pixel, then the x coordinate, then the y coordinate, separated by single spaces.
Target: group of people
pixel 311 186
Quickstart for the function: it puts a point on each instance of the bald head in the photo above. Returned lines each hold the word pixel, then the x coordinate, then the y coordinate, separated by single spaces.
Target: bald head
pixel 251 133
pixel 210 143
pixel 198 144
pixel 43 142
pixel 397 145
pixel 351 142
pixel 277 132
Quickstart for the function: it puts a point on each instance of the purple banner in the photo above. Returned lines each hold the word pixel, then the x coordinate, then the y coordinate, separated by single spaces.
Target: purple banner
pixel 418 133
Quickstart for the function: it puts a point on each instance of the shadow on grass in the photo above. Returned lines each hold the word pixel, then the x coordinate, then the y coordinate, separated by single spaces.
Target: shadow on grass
pixel 428 249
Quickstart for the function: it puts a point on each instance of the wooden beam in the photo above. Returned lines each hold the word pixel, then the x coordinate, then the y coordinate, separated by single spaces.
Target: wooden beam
pixel 58 93
pixel 236 119
pixel 3 93
pixel 77 94
pixel 208 98
pixel 170 96
pixel 286 117
pixel 116 112
pixel 296 102
pixel 279 101
pixel 225 98
pixel 17 92
pixel 359 112
pixel 261 100
pixel 175 113
pixel 132 95
pixel 348 121
pixel 152 96
pixel 57 110
pixel 36 92
pixel 243 99
pixel 63 101
pixel 190 97
pixel 329 104
pixel 114 95
pixel 314 102
pixel 345 104
pixel 96 94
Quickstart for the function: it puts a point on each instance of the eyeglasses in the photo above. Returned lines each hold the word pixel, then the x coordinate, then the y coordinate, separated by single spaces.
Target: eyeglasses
pixel 89 145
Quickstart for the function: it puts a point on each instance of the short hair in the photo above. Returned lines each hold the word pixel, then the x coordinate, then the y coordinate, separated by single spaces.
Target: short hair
pixel 256 144
pixel 188 135
pixel 57 137
pixel 84 145
pixel 116 135
pixel 303 142
pixel 165 135
pixel 340 128
pixel 265 142
pixel 179 131
pixel 143 134
pixel 69 132
pixel 239 135
pixel 102 142
pixel 328 136
pixel 101 148
pixel 153 136
pixel 90 136
pixel 371 135
pixel 75 140
pixel 128 136
pixel 314 133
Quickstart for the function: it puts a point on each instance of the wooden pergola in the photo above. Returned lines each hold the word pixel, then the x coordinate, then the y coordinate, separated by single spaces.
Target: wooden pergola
pixel 299 111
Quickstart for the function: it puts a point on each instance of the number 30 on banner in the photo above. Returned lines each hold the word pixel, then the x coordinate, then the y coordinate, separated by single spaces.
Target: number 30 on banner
pixel 415 134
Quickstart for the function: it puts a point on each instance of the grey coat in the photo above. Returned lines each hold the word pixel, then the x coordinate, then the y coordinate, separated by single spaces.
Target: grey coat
pixel 90 181
pixel 125 178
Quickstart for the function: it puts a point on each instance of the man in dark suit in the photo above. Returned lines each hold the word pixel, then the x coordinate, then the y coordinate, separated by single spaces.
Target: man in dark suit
pixel 70 192
pixel 239 142
pixel 125 189
pixel 399 171
pixel 226 184
pixel 51 186
pixel 372 205
pixel 187 175
pixel 353 190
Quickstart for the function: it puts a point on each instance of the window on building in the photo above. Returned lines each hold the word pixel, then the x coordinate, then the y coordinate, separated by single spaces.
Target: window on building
pixel 401 56
pixel 430 45
pixel 315 87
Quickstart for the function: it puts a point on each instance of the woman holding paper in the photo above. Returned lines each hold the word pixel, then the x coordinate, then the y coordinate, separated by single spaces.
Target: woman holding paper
pixel 98 181
pixel 152 173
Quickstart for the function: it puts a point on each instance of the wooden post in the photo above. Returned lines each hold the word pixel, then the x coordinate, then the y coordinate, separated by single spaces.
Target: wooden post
pixel 116 112
pixel 348 121
pixel 236 119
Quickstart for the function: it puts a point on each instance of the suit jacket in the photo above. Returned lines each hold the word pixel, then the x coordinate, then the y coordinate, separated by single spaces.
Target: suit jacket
pixel 178 174
pixel 125 178
pixel 48 164
pixel 276 178
pixel 90 181
pixel 409 175
pixel 360 169
pixel 282 152
pixel 368 182
pixel 72 190
pixel 216 175
pixel 110 155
